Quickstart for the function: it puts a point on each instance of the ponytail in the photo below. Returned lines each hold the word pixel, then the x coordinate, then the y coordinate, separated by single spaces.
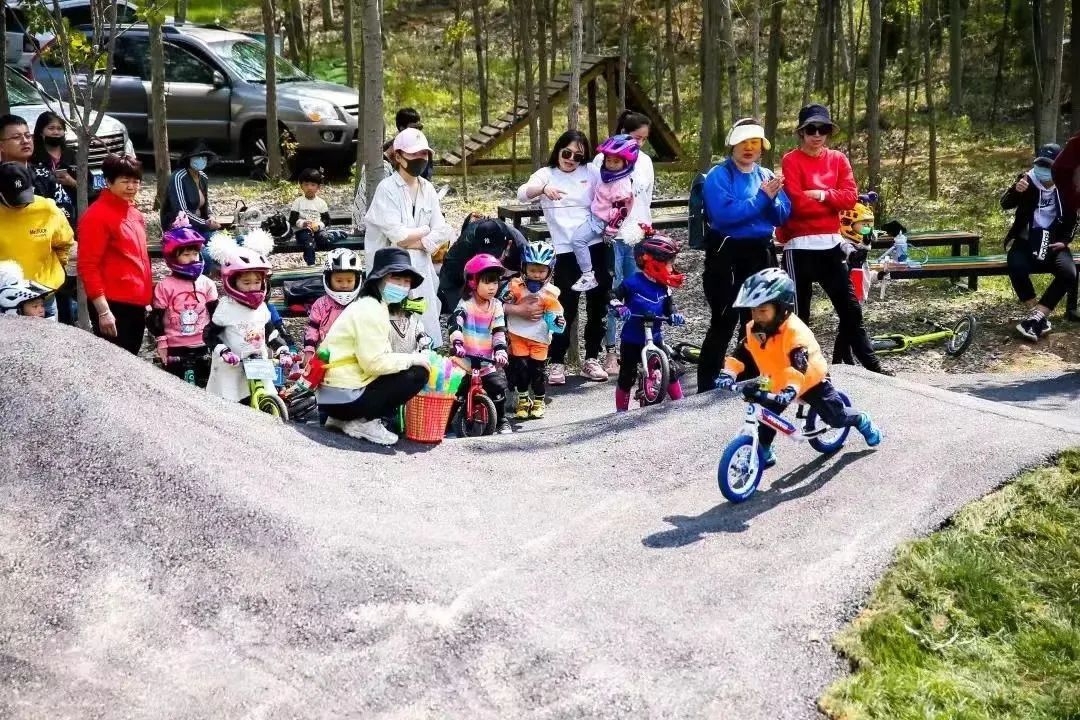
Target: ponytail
pixel 629 121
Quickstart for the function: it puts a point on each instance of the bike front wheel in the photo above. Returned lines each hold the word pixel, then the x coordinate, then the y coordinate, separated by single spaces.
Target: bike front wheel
pixel 272 405
pixel 739 472
pixel 963 334
pixel 832 439
pixel 655 377
pixel 481 421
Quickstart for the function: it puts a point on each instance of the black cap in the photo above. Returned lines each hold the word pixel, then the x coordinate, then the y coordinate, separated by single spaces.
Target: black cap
pixel 16 184
pixel 1047 154
pixel 812 114
pixel 391 261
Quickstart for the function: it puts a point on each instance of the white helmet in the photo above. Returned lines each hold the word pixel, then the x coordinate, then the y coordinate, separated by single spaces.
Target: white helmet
pixel 16 290
pixel 342 260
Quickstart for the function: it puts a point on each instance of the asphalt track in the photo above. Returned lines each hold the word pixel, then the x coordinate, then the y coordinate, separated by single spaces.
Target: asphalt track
pixel 168 555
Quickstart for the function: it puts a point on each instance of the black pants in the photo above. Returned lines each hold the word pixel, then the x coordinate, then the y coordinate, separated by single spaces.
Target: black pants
pixel 309 240
pixel 198 359
pixel 495 387
pixel 596 300
pixel 825 400
pixel 130 325
pixel 728 262
pixel 528 374
pixel 828 268
pixel 1022 264
pixel 67 308
pixel 381 398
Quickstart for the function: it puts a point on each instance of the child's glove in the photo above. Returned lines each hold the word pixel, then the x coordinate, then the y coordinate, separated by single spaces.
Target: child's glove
pixel 229 357
pixel 560 321
pixel 677 320
pixel 459 348
pixel 501 358
pixel 725 381
pixel 785 396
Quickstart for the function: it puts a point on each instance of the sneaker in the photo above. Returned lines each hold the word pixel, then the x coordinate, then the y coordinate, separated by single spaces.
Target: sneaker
pixel 869 430
pixel 370 430
pixel 1029 329
pixel 536 410
pixel 556 374
pixel 503 428
pixel 1044 327
pixel 611 362
pixel 585 283
pixel 521 410
pixel 591 369
pixel 334 424
pixel 768 456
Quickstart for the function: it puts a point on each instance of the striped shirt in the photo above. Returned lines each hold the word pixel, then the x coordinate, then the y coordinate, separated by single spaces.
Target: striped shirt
pixel 482 330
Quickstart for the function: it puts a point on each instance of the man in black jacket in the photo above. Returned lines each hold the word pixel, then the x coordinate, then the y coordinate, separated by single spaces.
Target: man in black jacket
pixel 478 235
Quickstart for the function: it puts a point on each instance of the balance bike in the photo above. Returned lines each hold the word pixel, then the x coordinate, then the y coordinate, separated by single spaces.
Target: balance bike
pixel 476 415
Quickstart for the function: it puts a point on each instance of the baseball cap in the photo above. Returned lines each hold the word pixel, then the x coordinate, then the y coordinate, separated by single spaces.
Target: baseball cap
pixel 814 114
pixel 411 140
pixel 1047 154
pixel 16 184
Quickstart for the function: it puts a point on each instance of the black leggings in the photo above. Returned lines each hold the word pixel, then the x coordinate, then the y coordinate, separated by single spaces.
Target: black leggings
pixel 828 268
pixel 728 262
pixel 381 398
pixel 596 300
pixel 130 324
pixel 825 400
pixel 528 374
pixel 1022 264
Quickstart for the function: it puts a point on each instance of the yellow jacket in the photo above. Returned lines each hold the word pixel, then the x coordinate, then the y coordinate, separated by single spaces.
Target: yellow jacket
pixel 359 346
pixel 790 357
pixel 39 238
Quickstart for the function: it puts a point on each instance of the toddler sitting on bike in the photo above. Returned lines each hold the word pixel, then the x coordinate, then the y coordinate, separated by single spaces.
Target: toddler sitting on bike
pixel 646 293
pixel 780 347
pixel 180 309
pixel 530 339
pixel 240 326
pixel 477 328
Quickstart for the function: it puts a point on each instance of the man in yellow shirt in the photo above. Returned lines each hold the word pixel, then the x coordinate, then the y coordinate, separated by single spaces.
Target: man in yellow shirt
pixel 35 234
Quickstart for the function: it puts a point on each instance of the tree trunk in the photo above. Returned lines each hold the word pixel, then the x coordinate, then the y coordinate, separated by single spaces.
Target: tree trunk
pixel 999 74
pixel 459 58
pixel 811 58
pixel 543 106
pixel 553 44
pixel 273 134
pixel 911 81
pixel 590 26
pixel 158 111
pixel 5 101
pixel 873 98
pixel 326 8
pixel 515 52
pixel 1053 26
pixel 294 23
pixel 481 60
pixel 828 45
pixel 755 59
pixel 772 89
pixel 728 39
pixel 931 115
pixel 373 97
pixel 181 11
pixel 573 110
pixel 525 15
pixel 709 81
pixel 669 51
pixel 956 57
pixel 347 38
pixel 856 34
pixel 624 53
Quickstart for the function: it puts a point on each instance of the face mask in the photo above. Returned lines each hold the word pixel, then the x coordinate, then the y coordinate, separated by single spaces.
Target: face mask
pixel 534 286
pixel 865 230
pixel 51 141
pixel 1042 174
pixel 416 166
pixel 198 163
pixel 393 294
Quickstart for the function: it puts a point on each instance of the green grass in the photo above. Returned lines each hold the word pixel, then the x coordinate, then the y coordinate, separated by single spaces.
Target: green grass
pixel 215 11
pixel 980 621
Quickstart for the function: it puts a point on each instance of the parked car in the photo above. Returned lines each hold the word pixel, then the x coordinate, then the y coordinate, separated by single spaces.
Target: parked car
pixel 216 91
pixel 20 45
pixel 28 102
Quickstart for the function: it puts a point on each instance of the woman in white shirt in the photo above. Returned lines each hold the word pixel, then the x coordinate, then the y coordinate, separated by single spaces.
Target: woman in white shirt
pixel 564 189
pixel 643 181
pixel 405 213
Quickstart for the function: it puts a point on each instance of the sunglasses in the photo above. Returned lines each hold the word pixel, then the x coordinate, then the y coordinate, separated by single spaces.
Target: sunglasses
pixel 815 129
pixel 568 154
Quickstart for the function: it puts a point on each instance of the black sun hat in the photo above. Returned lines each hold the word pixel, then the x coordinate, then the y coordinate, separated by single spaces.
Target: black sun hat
pixel 392 261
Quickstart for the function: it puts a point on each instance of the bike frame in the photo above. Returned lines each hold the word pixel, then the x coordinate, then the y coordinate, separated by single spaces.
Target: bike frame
pixel 906 342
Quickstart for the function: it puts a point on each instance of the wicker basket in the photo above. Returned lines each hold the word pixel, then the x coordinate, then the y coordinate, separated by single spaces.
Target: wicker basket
pixel 426 416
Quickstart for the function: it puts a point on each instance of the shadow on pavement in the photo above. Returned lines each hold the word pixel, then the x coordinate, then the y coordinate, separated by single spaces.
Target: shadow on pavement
pixel 730 518
pixel 1041 393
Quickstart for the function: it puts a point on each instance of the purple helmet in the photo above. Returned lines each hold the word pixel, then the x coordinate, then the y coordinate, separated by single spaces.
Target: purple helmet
pixel 620 146
pixel 177 239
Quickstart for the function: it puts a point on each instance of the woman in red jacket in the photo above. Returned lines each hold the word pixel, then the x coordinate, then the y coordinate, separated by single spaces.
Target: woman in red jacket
pixel 113 261
pixel 819 182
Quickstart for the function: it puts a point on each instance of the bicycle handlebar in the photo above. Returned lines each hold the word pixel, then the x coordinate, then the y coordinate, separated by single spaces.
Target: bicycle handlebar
pixel 651 318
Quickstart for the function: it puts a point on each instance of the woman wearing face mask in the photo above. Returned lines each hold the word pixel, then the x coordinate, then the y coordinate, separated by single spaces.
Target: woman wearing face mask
pixel 366 380
pixel 405 213
pixel 52 157
pixel 189 192
pixel 1038 241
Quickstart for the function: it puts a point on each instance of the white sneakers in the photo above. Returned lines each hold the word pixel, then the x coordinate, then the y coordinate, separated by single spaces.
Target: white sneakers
pixel 370 430
pixel 556 374
pixel 591 369
pixel 585 283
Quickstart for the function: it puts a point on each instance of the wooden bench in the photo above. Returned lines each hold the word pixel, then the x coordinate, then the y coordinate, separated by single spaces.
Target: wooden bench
pixel 519 213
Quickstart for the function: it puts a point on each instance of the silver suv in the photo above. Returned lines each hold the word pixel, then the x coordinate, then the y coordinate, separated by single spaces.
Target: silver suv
pixel 216 91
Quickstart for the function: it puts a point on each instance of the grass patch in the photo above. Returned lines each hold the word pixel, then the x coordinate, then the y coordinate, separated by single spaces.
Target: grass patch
pixel 978 621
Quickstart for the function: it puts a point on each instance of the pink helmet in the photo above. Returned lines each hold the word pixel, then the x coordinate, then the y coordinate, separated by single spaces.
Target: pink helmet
pixel 620 146
pixel 177 239
pixel 235 260
pixel 477 266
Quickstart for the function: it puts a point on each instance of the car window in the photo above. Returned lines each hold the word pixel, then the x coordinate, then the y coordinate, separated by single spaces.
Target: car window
pixel 132 57
pixel 21 92
pixel 183 67
pixel 248 58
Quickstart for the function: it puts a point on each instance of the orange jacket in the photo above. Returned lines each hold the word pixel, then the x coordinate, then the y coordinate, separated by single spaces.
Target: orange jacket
pixel 790 357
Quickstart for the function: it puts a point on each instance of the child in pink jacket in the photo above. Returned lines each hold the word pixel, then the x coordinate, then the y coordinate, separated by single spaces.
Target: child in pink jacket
pixel 342 279
pixel 182 304
pixel 612 200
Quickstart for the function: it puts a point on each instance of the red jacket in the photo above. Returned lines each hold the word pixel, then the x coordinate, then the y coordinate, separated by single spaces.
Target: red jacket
pixel 830 171
pixel 1066 172
pixel 113 260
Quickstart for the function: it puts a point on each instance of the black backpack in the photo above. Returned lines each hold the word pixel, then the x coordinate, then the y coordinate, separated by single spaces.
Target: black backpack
pixel 698 223
pixel 303 292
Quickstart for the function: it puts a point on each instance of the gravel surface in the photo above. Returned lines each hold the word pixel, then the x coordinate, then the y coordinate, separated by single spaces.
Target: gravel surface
pixel 164 554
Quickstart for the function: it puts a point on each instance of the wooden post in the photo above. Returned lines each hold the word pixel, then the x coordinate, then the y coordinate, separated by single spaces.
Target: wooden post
pixel 611 79
pixel 591 89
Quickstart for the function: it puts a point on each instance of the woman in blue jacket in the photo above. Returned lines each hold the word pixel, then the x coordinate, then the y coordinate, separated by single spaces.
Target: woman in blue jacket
pixel 744 202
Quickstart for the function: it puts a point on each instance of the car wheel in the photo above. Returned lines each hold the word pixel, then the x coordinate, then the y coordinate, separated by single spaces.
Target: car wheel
pixel 256 157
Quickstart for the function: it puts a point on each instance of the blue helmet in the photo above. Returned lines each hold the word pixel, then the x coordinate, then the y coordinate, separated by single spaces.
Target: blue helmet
pixel 770 285
pixel 538 252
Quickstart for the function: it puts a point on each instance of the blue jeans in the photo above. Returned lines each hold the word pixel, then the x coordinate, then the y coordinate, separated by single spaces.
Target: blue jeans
pixel 50 307
pixel 583 238
pixel 625 266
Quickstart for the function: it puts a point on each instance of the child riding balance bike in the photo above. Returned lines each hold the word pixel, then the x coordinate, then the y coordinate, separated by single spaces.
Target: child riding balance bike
pixel 781 348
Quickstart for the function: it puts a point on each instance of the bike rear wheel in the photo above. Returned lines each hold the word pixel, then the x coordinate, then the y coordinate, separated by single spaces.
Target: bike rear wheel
pixel 831 440
pixel 739 472
pixel 655 377
pixel 273 405
pixel 481 421
pixel 963 334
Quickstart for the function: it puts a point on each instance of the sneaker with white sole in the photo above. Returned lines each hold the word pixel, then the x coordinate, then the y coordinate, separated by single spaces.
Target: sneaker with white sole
pixel 556 374
pixel 611 363
pixel 1029 329
pixel 503 428
pixel 370 430
pixel 591 369
pixel 585 283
